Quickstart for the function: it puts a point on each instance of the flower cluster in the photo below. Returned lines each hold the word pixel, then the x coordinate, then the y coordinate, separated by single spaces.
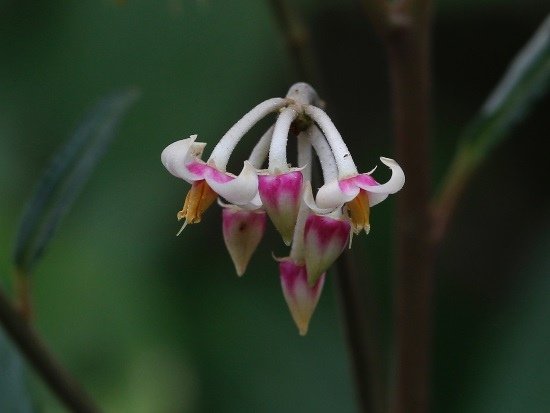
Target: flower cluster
pixel 317 227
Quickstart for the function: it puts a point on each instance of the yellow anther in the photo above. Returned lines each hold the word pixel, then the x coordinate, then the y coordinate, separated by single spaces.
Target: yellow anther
pixel 198 199
pixel 359 211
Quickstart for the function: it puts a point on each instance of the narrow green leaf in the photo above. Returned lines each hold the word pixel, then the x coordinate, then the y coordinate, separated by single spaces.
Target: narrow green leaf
pixel 526 79
pixel 14 392
pixel 65 177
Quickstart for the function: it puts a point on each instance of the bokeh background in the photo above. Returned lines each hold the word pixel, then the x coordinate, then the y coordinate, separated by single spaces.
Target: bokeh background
pixel 153 323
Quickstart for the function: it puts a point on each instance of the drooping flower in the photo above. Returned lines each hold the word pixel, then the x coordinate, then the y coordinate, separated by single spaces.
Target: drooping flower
pixel 360 192
pixel 280 186
pixel 183 160
pixel 325 236
pixel 357 191
pixel 324 240
pixel 242 232
pixel 300 296
pixel 317 227
pixel 280 195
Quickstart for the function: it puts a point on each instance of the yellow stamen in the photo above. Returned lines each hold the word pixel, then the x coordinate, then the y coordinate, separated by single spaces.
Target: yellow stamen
pixel 198 199
pixel 359 211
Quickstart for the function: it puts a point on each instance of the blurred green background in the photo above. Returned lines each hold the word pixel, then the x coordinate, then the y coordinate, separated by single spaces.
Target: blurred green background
pixel 154 323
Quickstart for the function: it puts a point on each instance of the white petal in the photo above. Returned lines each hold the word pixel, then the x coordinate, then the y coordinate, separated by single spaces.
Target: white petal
pixel 331 196
pixel 310 201
pixel 395 183
pixel 177 155
pixel 375 199
pixel 256 203
pixel 241 190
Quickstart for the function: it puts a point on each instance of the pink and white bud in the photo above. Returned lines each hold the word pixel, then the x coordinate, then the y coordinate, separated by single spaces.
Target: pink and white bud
pixel 300 296
pixel 242 232
pixel 280 195
pixel 324 240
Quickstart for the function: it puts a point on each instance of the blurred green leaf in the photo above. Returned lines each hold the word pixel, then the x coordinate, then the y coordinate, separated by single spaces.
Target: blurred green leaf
pixel 65 177
pixel 14 393
pixel 513 363
pixel 525 80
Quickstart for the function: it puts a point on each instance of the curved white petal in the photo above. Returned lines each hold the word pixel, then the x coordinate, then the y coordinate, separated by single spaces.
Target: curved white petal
pixel 177 155
pixel 310 201
pixel 375 199
pixel 256 203
pixel 239 191
pixel 253 205
pixel 331 196
pixel 394 184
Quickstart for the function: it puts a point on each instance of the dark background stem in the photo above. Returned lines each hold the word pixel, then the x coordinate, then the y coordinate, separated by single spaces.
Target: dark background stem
pixel 408 48
pixel 23 293
pixel 298 42
pixel 360 323
pixel 71 394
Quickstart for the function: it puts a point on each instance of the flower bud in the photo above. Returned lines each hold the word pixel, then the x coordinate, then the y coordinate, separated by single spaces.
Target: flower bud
pixel 324 240
pixel 300 297
pixel 280 195
pixel 242 232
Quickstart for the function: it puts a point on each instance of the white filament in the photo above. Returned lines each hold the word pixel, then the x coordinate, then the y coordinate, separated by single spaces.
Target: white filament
pixel 304 155
pixel 344 161
pixel 221 153
pixel 260 151
pixel 277 150
pixel 324 153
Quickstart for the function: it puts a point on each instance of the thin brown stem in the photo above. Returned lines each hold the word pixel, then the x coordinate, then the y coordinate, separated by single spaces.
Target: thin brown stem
pixel 408 47
pixel 54 375
pixel 298 41
pixel 23 294
pixel 378 13
pixel 454 183
pixel 360 316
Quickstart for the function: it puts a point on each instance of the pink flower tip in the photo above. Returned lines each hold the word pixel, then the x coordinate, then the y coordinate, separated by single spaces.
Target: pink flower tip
pixel 324 240
pixel 300 296
pixel 280 195
pixel 242 232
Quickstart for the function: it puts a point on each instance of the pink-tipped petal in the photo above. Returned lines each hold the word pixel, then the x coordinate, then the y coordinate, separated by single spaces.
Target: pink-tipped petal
pixel 242 232
pixel 240 190
pixel 367 181
pixel 324 240
pixel 280 195
pixel 300 297
pixel 394 184
pixel 176 157
pixel 209 172
pixel 333 194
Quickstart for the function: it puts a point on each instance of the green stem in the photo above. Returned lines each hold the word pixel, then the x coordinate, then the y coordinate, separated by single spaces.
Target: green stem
pixel 69 392
pixel 454 183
